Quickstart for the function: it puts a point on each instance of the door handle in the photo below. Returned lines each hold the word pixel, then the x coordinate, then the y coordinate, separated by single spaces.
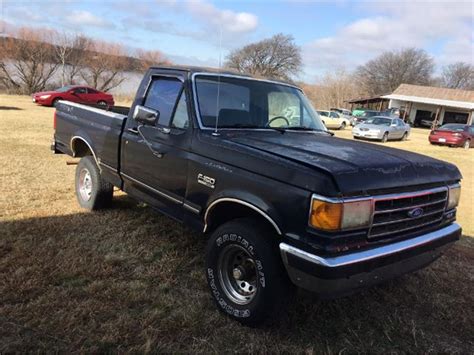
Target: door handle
pixel 133 130
pixel 164 130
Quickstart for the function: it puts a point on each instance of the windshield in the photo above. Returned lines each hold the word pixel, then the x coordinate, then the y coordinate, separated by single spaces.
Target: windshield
pixel 452 127
pixel 380 121
pixel 243 103
pixel 323 113
pixel 63 89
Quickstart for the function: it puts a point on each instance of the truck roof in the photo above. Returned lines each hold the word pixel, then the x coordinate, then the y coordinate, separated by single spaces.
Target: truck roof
pixel 224 71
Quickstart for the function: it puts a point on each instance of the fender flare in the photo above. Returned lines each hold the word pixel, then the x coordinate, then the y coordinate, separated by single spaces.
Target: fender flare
pixel 244 203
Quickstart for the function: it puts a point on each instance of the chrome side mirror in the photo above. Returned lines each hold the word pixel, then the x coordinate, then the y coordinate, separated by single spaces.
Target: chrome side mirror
pixel 145 115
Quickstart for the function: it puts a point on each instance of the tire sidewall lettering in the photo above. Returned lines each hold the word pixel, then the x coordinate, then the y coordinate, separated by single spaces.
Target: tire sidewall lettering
pixel 228 306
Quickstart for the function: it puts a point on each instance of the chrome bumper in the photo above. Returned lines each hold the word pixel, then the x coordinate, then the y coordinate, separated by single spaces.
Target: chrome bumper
pixel 334 276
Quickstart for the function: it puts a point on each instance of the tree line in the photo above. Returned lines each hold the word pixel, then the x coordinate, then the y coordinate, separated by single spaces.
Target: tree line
pixel 34 60
pixel 280 58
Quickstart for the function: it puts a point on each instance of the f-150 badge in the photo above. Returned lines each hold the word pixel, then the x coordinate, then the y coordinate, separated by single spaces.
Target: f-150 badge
pixel 206 180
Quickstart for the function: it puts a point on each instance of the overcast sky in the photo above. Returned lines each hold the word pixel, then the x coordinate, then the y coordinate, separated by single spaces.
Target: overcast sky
pixel 332 34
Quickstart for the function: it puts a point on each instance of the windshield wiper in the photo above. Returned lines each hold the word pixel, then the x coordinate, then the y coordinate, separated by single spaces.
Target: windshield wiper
pixel 304 128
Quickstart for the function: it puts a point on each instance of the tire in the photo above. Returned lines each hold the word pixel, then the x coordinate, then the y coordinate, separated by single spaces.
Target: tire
pixel 102 104
pixel 343 126
pixel 92 192
pixel 55 102
pixel 467 144
pixel 245 274
pixel 404 137
pixel 385 137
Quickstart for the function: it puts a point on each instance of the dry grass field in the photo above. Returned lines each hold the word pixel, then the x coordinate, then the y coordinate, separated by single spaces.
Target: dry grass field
pixel 130 280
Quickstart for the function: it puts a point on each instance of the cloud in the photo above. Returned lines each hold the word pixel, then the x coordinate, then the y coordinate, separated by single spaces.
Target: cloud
pixel 393 26
pixel 227 20
pixel 85 18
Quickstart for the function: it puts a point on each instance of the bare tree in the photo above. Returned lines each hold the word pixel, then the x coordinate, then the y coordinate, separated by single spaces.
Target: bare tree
pixel 150 58
pixel 27 63
pixel 63 48
pixel 105 65
pixel 276 57
pixel 386 72
pixel 458 75
pixel 333 89
pixel 71 55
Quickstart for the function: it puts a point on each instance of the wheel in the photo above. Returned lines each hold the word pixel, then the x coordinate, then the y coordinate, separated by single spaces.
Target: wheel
pixel 55 101
pixel 467 144
pixel 102 103
pixel 404 137
pixel 245 273
pixel 343 125
pixel 92 191
pixel 385 137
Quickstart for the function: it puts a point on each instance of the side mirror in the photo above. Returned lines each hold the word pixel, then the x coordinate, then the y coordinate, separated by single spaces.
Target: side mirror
pixel 145 115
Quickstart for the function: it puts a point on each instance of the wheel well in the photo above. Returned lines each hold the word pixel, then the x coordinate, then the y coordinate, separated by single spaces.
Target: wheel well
pixel 80 148
pixel 226 211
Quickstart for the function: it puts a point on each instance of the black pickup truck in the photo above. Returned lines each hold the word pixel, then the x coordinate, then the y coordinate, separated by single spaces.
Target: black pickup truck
pixel 282 202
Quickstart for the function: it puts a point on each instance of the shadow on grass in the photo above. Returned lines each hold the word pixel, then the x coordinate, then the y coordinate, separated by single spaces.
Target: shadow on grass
pixel 130 279
pixel 10 108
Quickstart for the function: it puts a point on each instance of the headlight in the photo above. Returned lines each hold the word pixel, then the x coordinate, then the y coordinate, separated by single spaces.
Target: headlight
pixel 44 96
pixel 337 215
pixel 454 194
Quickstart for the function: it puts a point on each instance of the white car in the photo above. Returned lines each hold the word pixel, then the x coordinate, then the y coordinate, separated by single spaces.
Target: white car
pixel 333 119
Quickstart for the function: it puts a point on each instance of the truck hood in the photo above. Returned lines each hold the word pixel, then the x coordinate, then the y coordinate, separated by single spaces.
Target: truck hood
pixel 354 166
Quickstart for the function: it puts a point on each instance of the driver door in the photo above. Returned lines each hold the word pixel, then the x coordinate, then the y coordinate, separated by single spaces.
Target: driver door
pixel 154 157
pixel 80 95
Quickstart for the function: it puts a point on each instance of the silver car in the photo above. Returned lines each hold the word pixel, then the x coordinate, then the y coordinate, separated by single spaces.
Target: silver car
pixel 382 128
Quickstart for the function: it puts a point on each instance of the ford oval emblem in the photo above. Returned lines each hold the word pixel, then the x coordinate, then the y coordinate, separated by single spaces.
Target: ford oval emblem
pixel 415 213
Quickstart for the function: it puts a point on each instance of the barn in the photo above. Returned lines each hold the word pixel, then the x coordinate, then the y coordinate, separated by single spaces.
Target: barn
pixel 424 105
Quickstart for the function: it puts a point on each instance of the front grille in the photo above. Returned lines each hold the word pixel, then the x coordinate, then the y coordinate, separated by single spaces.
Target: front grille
pixel 407 213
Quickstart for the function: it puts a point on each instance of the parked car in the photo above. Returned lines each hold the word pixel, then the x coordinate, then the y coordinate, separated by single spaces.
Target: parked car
pixel 382 128
pixel 454 135
pixel 342 111
pixel 364 116
pixel 74 93
pixel 334 120
pixel 358 111
pixel 393 111
pixel 279 204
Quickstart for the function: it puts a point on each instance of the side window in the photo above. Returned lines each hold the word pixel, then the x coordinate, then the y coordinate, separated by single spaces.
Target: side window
pixel 91 91
pixel 161 96
pixel 80 91
pixel 334 115
pixel 181 118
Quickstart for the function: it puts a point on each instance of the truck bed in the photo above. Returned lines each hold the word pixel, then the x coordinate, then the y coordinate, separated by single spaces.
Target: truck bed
pixel 78 126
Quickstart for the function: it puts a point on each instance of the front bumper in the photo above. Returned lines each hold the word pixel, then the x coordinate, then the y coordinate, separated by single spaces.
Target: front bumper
pixel 336 276
pixel 367 134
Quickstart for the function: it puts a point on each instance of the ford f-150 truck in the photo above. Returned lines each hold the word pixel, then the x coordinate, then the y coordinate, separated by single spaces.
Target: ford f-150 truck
pixel 281 200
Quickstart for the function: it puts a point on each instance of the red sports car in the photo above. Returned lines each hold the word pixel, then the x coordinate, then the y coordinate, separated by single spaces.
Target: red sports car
pixel 454 135
pixel 74 93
